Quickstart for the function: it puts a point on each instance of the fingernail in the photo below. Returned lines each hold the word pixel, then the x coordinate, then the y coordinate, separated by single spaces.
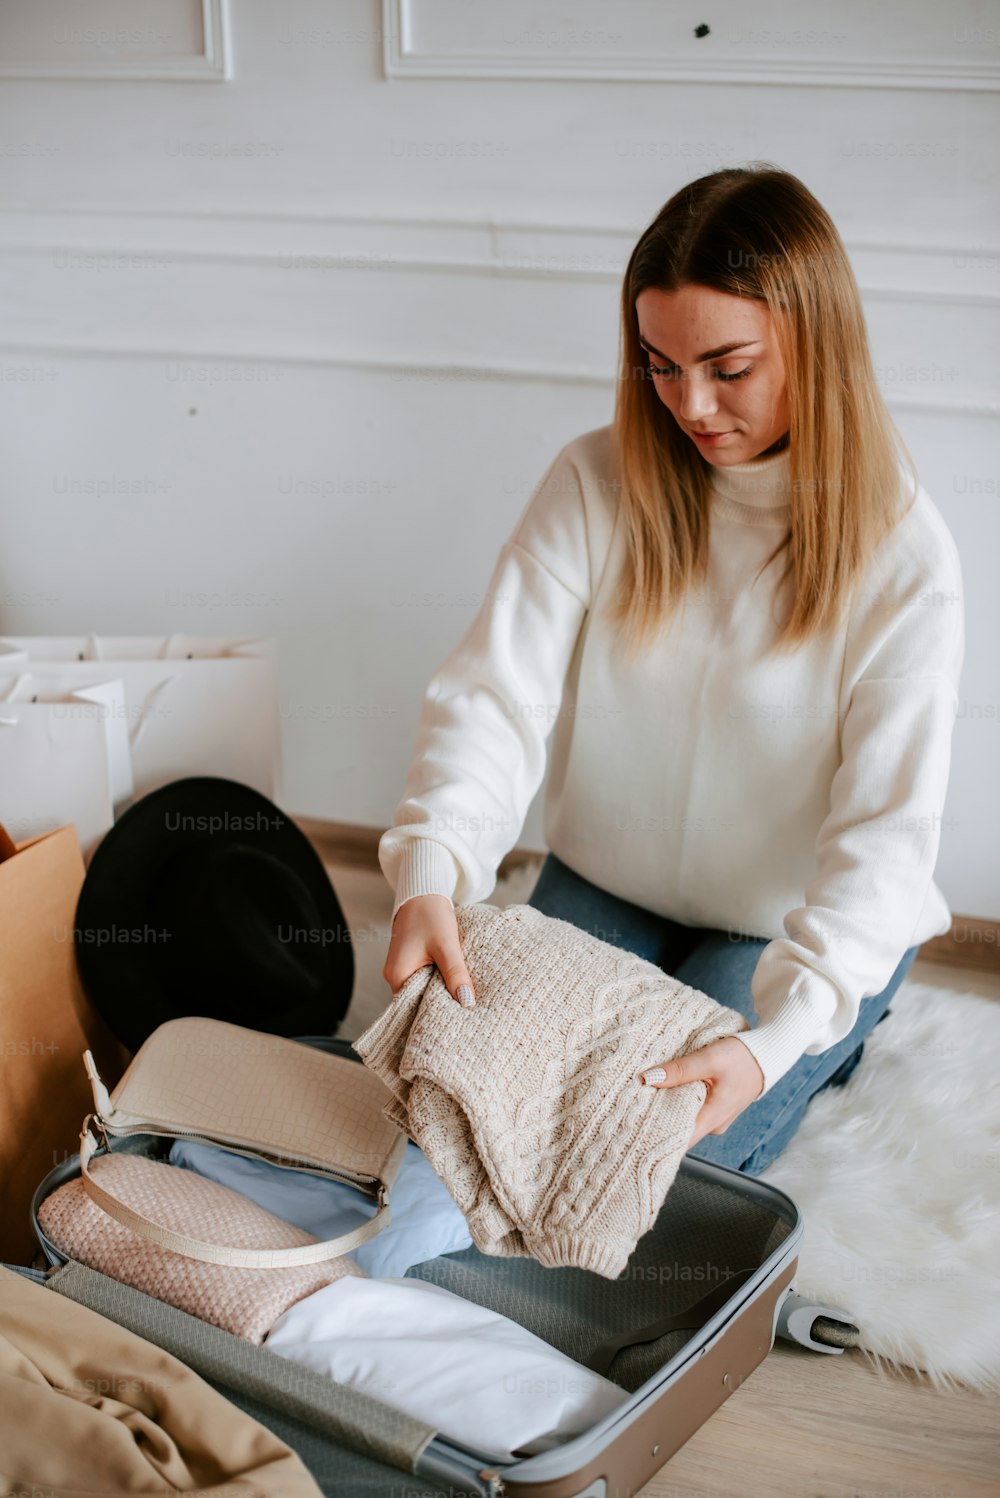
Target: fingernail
pixel 654 1075
pixel 465 996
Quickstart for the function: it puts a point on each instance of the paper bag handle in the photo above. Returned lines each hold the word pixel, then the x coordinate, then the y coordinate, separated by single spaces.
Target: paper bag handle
pixel 218 1253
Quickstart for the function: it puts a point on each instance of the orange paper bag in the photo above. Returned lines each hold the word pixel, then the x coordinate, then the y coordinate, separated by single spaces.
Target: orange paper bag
pixel 46 1023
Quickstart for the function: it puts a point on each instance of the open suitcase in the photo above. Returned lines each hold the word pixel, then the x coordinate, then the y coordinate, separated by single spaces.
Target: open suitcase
pixel 698 1307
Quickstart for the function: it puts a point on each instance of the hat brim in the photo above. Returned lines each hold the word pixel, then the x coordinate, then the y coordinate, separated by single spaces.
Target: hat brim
pixel 118 946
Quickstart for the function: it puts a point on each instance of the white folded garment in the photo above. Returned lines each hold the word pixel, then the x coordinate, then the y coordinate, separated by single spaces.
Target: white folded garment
pixel 482 1380
pixel 426 1220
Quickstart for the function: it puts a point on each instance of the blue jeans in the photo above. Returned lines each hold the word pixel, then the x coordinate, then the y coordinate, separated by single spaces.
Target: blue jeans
pixel 722 966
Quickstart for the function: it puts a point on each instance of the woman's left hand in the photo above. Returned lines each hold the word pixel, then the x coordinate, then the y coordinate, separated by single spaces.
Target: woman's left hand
pixel 733 1077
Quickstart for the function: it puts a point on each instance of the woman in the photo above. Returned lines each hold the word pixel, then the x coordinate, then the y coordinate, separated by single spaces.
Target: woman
pixel 744 621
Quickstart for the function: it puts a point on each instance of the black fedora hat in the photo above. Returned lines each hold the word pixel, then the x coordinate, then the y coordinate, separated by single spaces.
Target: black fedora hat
pixel 205 898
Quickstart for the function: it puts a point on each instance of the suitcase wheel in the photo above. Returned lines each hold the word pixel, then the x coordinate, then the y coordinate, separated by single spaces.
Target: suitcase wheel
pixel 820 1328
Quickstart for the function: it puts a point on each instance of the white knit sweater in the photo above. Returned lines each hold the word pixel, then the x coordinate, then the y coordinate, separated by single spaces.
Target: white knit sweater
pixel 528 1105
pixel 798 798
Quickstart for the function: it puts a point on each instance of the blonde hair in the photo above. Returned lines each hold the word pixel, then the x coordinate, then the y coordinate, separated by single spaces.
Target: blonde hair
pixel 756 232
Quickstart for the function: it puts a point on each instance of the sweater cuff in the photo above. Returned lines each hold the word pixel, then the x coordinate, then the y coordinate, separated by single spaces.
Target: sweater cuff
pixel 426 867
pixel 793 1028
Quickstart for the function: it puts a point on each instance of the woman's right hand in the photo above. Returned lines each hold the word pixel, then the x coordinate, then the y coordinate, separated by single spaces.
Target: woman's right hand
pixel 424 930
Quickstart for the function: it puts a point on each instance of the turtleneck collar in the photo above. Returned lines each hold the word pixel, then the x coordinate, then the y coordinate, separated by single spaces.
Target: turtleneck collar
pixel 757 492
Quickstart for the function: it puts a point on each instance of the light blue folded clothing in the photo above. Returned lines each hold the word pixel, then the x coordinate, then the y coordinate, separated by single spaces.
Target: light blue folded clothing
pixel 426 1221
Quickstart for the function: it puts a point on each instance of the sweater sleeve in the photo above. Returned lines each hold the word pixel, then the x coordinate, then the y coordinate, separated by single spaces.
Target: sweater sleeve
pixel 489 708
pixel 877 848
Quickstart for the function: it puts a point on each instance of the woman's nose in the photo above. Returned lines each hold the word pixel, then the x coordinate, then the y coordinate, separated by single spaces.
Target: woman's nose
pixel 698 397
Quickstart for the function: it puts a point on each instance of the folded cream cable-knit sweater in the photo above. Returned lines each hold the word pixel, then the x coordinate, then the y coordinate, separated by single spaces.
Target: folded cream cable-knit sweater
pixel 529 1105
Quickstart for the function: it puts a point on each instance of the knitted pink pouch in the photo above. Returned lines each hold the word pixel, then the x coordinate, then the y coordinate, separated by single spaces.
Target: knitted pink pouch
pixel 246 1302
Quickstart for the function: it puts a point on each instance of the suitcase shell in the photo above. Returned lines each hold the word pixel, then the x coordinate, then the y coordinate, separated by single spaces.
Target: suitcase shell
pixel 716 1226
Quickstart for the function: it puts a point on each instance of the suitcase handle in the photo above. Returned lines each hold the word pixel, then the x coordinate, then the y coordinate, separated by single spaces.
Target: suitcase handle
pixel 692 1318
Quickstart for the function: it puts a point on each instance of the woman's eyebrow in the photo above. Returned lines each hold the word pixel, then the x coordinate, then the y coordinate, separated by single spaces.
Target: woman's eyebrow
pixel 713 353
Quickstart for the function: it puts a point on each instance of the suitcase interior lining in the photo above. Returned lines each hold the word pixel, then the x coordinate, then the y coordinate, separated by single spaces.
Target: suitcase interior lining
pixel 706 1232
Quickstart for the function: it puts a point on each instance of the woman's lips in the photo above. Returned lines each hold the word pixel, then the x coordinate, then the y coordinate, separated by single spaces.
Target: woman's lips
pixel 711 439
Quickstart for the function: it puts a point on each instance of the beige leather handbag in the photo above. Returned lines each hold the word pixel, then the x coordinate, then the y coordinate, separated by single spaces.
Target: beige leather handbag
pixel 255 1094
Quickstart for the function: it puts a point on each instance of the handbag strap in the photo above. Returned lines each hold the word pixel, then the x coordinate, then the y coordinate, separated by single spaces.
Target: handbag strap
pixel 219 1253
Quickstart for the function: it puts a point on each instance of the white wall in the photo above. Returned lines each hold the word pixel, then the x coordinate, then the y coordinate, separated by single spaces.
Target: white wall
pixel 288 353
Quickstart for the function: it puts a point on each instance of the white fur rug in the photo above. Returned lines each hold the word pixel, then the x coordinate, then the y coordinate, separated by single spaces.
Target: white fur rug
pixel 897 1175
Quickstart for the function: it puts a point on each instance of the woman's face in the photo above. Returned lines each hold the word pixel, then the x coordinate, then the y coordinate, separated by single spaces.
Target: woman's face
pixel 716 366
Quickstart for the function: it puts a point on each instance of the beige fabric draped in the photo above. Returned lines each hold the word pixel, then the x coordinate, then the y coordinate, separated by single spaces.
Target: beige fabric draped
pixel 88 1410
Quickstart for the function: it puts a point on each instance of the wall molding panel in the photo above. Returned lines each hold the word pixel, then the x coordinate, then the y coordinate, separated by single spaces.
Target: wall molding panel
pixel 509 42
pixel 111 42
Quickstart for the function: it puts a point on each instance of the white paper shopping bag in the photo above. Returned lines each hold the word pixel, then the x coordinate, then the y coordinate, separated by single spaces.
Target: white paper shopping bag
pixel 196 704
pixel 71 697
pixel 54 771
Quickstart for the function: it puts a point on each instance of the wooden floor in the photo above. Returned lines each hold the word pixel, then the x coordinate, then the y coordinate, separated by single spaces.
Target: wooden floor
pixel 804 1425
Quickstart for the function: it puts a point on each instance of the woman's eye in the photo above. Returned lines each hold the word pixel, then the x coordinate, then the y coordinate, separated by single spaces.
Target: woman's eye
pixel 670 371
